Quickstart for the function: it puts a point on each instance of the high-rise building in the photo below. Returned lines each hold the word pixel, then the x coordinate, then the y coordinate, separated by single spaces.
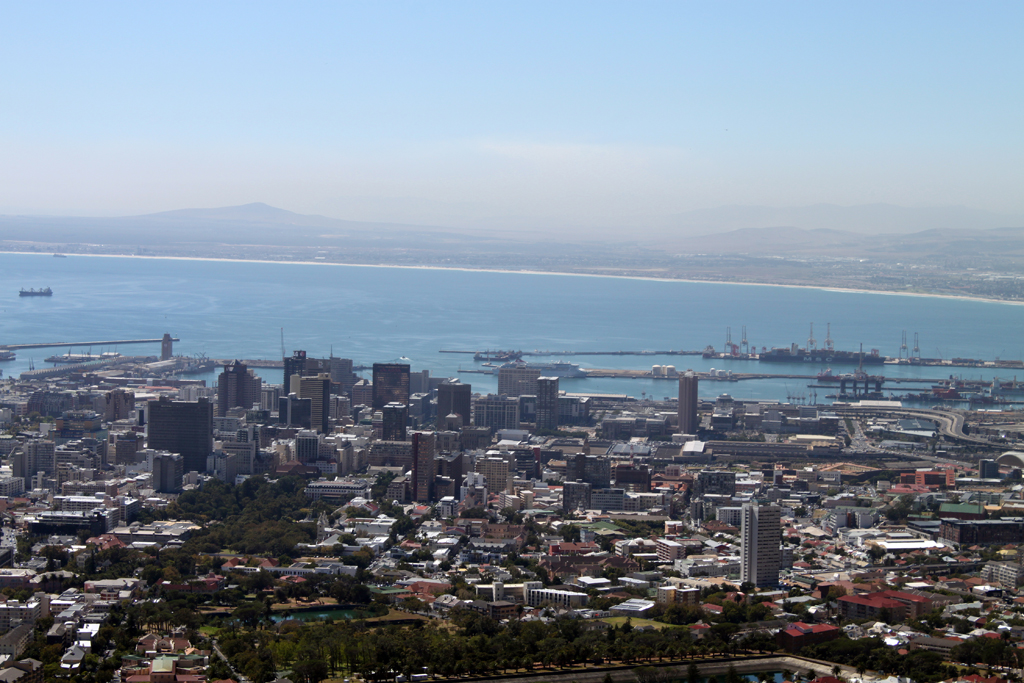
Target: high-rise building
pixel 295 412
pixel 167 472
pixel 395 419
pixel 761 535
pixel 517 380
pixel 717 482
pixel 237 387
pixel 988 469
pixel 547 403
pixel 342 374
pixel 182 427
pixel 390 384
pixel 497 472
pixel 318 390
pixel 40 456
pixel 423 449
pixel 454 398
pixel 633 478
pixel 295 365
pixel 307 446
pixel 496 412
pixel 575 496
pixel 688 422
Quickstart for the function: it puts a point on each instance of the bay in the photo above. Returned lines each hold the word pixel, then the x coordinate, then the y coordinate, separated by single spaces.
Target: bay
pixel 236 309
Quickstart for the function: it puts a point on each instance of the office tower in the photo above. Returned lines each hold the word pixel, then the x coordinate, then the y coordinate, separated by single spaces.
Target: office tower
pixel 688 422
pixel 497 472
pixel 395 418
pixel 496 412
pixel 517 380
pixel 390 384
pixel 423 450
pixel 547 403
pixel 454 397
pixel 182 427
pixel 760 534
pixel 295 412
pixel 307 446
pixel 633 478
pixel 237 387
pixel 575 496
pixel 117 404
pixel 988 469
pixel 715 482
pixel 296 365
pixel 318 390
pixel 362 393
pixel 269 395
pixel 419 382
pixel 166 347
pixel 167 472
pixel 40 456
pixel 342 374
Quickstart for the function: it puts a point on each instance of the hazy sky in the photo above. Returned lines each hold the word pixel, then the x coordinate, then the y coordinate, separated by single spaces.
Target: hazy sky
pixel 551 113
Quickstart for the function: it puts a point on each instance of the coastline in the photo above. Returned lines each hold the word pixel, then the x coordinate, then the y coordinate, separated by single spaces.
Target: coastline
pixel 838 290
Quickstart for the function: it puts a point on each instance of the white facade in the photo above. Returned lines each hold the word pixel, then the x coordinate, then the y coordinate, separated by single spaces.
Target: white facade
pixel 760 555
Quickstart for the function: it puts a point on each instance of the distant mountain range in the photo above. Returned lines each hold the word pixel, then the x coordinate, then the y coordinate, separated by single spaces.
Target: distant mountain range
pixel 867 231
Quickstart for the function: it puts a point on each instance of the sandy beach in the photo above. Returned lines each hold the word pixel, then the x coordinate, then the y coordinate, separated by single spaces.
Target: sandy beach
pixel 839 290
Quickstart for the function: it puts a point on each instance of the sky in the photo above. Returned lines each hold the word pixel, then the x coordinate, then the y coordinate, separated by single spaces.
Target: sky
pixel 542 114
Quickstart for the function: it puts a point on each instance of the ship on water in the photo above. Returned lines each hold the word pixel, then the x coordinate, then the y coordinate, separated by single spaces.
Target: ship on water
pixel 826 355
pixel 555 369
pixel 7 355
pixel 797 354
pixel 36 292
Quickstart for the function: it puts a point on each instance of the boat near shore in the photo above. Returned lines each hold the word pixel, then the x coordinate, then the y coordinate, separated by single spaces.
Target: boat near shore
pixel 36 292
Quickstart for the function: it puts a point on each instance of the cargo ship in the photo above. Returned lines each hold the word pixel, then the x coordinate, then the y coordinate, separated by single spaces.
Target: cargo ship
pixel 797 354
pixel 502 356
pixel 36 292
pixel 556 369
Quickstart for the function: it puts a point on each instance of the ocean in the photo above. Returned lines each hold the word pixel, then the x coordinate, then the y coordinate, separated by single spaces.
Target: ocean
pixel 234 309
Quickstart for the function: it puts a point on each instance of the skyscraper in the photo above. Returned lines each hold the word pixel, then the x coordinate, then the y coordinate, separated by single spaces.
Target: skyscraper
pixel 761 535
pixel 517 381
pixel 395 418
pixel 390 384
pixel 167 471
pixel 294 411
pixel 318 390
pixel 237 386
pixel 688 422
pixel 182 427
pixel 454 397
pixel 547 403
pixel 424 445
pixel 295 365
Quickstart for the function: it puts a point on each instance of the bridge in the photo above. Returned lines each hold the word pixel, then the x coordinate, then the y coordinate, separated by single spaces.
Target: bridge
pixel 113 342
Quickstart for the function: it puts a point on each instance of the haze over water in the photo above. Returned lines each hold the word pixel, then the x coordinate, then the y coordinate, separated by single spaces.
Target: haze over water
pixel 371 314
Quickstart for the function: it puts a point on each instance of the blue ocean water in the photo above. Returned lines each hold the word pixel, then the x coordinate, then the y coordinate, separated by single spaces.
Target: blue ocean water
pixel 231 309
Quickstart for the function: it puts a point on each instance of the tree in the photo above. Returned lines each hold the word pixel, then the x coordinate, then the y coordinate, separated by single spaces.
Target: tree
pixel 692 673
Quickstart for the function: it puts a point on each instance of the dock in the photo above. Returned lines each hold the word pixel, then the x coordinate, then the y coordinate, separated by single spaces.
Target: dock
pixel 113 342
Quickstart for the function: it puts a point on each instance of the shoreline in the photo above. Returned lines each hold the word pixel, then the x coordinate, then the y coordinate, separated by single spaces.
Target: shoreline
pixel 824 288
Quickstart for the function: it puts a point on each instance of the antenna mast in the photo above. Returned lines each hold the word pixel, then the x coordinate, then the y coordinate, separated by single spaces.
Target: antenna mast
pixel 282 343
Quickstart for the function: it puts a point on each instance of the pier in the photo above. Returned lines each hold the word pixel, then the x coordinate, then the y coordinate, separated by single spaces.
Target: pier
pixel 114 342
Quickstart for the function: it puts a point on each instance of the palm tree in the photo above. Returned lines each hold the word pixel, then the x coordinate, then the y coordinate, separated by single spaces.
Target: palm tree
pixel 836 671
